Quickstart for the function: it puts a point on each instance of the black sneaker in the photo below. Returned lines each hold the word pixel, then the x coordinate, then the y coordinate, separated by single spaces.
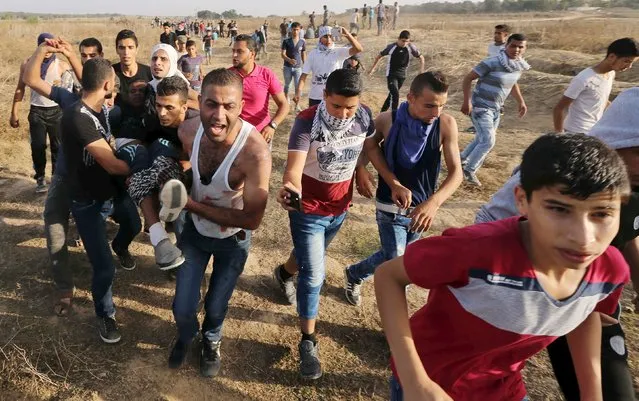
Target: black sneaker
pixel 41 186
pixel 178 354
pixel 127 261
pixel 310 367
pixel 287 286
pixel 108 329
pixel 352 289
pixel 210 358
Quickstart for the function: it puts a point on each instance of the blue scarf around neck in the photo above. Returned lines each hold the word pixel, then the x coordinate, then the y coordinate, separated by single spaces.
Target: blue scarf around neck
pixel 407 139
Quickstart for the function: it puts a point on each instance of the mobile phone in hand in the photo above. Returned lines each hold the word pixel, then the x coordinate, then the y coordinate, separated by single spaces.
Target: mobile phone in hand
pixel 295 200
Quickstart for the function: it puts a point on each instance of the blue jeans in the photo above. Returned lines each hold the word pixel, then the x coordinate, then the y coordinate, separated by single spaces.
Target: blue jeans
pixel 485 122
pixel 394 237
pixel 229 256
pixel 92 229
pixel 311 236
pixel 291 74
pixel 397 394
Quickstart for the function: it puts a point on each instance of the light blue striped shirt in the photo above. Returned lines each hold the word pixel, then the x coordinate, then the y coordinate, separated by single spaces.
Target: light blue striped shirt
pixel 494 84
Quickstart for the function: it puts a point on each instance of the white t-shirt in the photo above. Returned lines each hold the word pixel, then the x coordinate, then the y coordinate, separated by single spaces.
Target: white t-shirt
pixel 493 49
pixel 354 17
pixel 321 64
pixel 590 92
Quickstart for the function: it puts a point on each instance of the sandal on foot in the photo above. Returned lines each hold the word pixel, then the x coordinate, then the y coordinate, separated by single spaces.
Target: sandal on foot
pixel 63 305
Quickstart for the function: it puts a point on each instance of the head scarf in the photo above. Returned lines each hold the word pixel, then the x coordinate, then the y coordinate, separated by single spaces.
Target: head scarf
pixel 407 139
pixel 47 61
pixel 329 129
pixel 173 58
pixel 323 31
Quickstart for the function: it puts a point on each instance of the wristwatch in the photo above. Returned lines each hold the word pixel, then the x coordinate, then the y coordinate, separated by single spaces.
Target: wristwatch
pixel 272 124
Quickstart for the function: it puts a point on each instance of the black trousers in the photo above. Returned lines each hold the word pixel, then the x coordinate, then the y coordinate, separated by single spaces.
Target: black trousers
pixel 43 121
pixel 394 85
pixel 615 374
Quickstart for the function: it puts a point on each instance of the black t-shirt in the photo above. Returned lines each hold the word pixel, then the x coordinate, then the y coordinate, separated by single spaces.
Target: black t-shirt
pixel 178 32
pixel 283 29
pixel 399 58
pixel 629 221
pixel 207 39
pixel 143 74
pixel 169 38
pixel 87 180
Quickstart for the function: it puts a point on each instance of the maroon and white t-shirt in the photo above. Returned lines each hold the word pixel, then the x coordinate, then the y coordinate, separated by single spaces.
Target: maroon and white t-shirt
pixel 487 313
pixel 328 172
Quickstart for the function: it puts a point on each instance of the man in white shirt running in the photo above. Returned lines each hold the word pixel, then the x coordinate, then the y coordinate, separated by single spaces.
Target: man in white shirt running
pixel 586 97
pixel 500 36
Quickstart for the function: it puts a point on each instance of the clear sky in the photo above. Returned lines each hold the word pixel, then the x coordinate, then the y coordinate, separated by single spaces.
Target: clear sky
pixel 179 7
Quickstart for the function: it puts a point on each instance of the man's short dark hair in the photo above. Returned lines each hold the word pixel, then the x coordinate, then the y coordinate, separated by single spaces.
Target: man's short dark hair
pixel 222 77
pixel 519 37
pixel 581 165
pixel 126 34
pixel 433 80
pixel 624 47
pixel 174 85
pixel 91 42
pixel 404 34
pixel 190 43
pixel 250 43
pixel 166 24
pixel 344 82
pixel 296 25
pixel 95 72
pixel 502 28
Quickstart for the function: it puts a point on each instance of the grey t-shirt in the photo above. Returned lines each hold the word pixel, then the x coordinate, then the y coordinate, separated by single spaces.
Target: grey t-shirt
pixel 502 205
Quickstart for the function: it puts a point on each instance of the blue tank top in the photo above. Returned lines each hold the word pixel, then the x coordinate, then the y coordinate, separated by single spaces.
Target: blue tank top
pixel 421 179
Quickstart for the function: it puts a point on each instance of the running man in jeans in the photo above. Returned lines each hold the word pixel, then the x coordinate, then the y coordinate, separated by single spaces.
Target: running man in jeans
pixel 44 114
pixel 294 56
pixel 231 166
pixel 92 167
pixel 587 96
pixel 497 77
pixel 324 150
pixel 399 56
pixel 408 165
pixel 619 129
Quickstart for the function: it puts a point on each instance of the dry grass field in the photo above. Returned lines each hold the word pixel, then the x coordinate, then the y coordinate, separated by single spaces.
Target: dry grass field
pixel 45 357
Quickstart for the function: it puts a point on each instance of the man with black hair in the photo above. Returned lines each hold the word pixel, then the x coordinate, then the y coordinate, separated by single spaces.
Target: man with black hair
pixel 259 84
pixel 294 56
pixel 325 148
pixel 587 94
pixel 497 76
pixel 408 163
pixel 500 35
pixel 399 54
pixel 231 166
pixel 92 168
pixel 473 337
pixel 128 69
pixel 619 129
pixel 168 36
pixel 380 10
pixel 191 66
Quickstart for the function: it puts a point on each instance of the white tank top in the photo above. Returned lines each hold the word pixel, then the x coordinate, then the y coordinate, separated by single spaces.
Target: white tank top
pixel 53 77
pixel 218 192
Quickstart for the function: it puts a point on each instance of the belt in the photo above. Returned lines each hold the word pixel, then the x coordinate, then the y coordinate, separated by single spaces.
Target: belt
pixel 385 207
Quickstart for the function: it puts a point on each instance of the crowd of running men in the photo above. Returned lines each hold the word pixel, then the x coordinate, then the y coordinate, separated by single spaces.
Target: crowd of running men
pixel 192 152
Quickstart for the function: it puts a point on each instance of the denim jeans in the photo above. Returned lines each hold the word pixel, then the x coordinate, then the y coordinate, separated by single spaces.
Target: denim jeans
pixel 311 236
pixel 291 74
pixel 229 257
pixel 43 121
pixel 485 122
pixel 397 394
pixel 92 229
pixel 56 226
pixel 380 26
pixel 394 85
pixel 394 237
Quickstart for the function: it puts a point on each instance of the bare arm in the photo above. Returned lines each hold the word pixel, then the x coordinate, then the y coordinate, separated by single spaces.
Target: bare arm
pixel 257 171
pixel 282 107
pixel 303 56
pixel 422 64
pixel 466 86
pixel 17 99
pixel 192 101
pixel 390 290
pixel 31 74
pixel 103 154
pixel 523 109
pixel 292 178
pixel 558 113
pixel 585 348
pixel 379 57
pixel 450 147
pixel 67 50
pixel 356 47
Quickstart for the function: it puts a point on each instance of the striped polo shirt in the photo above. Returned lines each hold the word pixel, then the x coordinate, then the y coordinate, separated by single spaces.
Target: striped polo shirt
pixel 494 84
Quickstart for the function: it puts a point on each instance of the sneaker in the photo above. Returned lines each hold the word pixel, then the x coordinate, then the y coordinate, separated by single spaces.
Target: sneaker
pixel 310 367
pixel 41 186
pixel 127 261
pixel 108 329
pixel 167 255
pixel 287 286
pixel 173 198
pixel 178 354
pixel 471 178
pixel 210 358
pixel 352 289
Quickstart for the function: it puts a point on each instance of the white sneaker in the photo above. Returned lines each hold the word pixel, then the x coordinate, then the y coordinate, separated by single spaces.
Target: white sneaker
pixel 173 198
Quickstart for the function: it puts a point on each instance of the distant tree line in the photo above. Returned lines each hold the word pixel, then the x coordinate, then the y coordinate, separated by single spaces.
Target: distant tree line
pixel 228 14
pixel 495 6
pixel 36 16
